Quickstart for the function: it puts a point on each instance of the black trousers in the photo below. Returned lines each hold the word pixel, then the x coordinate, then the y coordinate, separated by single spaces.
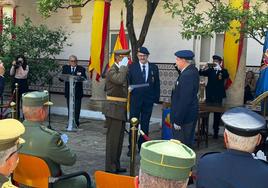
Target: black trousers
pixel 217 115
pixel 77 109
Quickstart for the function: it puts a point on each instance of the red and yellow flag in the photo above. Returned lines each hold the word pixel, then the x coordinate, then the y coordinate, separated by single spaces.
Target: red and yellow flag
pixel 233 42
pixel 121 41
pixel 98 35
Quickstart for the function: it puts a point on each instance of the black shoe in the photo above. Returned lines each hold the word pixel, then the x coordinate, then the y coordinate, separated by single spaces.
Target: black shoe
pixel 121 170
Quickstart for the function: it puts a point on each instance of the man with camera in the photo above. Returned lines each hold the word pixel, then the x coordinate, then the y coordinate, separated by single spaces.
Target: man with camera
pixel 215 89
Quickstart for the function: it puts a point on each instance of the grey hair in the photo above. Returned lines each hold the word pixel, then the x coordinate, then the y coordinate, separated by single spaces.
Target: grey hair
pixel 146 180
pixel 73 56
pixel 191 61
pixel 6 153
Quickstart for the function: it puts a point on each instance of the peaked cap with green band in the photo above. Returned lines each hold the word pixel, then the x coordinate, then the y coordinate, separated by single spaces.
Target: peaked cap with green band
pixel 36 98
pixel 169 159
pixel 10 132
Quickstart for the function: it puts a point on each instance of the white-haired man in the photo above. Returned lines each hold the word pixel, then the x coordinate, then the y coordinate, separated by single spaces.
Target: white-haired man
pixel 236 167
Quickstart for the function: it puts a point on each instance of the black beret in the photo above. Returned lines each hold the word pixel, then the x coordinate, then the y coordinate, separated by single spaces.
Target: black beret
pixel 143 50
pixel 216 57
pixel 244 122
pixel 185 54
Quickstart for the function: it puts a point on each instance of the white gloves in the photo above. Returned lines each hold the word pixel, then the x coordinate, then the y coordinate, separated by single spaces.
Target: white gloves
pixel 176 127
pixel 217 67
pixel 64 138
pixel 124 62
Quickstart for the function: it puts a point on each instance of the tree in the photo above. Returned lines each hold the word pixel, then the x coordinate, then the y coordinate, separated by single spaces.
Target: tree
pixel 217 16
pixel 46 7
pixel 37 43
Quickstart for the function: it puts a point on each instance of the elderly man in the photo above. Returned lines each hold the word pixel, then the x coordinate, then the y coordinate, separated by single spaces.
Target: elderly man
pixel 10 143
pixel 74 69
pixel 165 163
pixel 46 143
pixel 142 99
pixel 184 101
pixel 236 167
pixel 115 110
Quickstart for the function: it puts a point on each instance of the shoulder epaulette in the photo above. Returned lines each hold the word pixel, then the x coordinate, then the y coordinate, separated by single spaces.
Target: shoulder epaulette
pixel 44 128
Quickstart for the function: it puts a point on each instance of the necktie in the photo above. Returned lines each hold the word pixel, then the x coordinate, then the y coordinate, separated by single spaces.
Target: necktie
pixel 72 70
pixel 143 73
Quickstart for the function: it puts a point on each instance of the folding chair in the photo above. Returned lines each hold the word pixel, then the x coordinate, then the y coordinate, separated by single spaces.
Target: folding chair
pixel 109 180
pixel 34 172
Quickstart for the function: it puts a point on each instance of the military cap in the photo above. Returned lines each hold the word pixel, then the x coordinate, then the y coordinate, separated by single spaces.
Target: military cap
pixel 243 122
pixel 36 98
pixel 185 54
pixel 10 132
pixel 169 159
pixel 216 57
pixel 122 52
pixel 143 50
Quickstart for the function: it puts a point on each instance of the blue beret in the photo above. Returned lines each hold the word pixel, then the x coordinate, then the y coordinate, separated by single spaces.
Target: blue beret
pixel 143 50
pixel 244 122
pixel 185 54
pixel 216 57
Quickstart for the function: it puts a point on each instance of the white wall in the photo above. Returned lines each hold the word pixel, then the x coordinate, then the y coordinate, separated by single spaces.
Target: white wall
pixel 162 40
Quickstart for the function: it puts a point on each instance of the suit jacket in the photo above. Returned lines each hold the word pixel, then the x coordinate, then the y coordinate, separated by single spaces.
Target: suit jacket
pixel 66 69
pixel 116 86
pixel 149 94
pixel 184 101
pixel 47 144
pixel 231 169
pixel 215 89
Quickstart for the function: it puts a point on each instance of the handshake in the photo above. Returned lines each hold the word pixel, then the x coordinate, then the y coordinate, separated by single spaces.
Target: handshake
pixel 124 62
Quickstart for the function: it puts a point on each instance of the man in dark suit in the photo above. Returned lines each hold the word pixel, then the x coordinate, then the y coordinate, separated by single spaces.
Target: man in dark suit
pixel 236 167
pixel 215 89
pixel 115 110
pixel 76 70
pixel 143 98
pixel 184 101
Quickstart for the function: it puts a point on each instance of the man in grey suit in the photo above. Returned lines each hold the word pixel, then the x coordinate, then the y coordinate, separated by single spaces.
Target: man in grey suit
pixel 115 110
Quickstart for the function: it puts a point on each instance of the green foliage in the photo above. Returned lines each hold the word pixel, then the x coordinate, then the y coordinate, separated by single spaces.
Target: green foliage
pixel 46 7
pixel 37 43
pixel 217 17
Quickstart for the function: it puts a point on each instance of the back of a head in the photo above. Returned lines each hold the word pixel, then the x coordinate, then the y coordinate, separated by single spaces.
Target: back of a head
pixel 165 163
pixel 32 102
pixel 243 128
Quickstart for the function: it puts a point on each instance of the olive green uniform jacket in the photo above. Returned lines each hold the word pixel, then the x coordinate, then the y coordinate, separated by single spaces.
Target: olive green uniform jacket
pixel 48 145
pixel 116 115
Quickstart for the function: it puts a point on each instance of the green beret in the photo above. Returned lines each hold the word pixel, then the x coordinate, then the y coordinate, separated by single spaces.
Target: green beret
pixel 122 52
pixel 10 132
pixel 169 159
pixel 36 98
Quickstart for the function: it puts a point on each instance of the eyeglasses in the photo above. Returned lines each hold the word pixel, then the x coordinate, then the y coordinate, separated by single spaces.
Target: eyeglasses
pixel 17 150
pixel 72 60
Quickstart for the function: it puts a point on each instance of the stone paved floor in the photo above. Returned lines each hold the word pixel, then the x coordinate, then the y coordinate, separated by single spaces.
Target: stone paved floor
pixel 89 144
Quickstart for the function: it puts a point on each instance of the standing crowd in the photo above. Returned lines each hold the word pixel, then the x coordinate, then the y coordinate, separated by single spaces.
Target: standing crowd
pixel 134 89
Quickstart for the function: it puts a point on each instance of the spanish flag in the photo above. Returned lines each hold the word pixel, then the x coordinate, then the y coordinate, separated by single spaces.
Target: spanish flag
pixel 233 42
pixel 121 41
pixel 98 35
